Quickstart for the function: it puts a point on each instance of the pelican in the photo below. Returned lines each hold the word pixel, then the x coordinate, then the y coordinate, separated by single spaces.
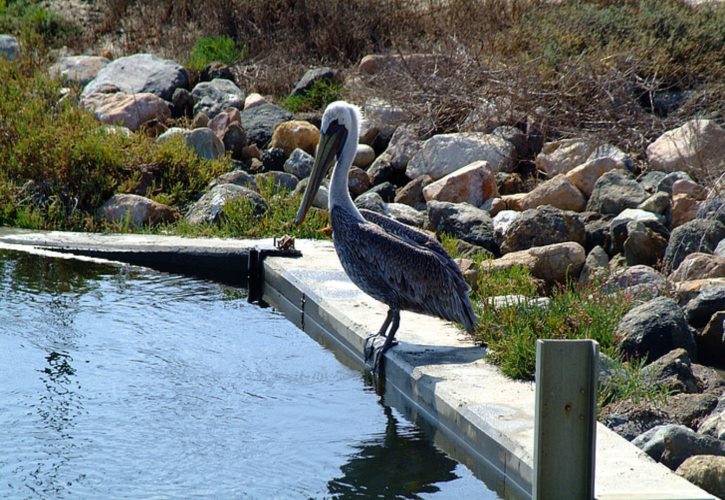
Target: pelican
pixel 395 264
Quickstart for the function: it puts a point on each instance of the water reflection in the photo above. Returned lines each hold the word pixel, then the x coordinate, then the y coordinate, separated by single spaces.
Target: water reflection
pixel 393 465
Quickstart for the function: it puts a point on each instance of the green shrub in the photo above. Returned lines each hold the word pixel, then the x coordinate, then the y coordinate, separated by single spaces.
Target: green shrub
pixel 322 93
pixel 210 49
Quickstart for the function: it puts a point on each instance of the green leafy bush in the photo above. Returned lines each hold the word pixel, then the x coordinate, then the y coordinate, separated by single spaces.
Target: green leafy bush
pixel 210 49
pixel 322 93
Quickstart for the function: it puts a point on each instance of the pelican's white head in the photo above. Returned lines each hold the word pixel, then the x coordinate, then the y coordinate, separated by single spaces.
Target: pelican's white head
pixel 339 133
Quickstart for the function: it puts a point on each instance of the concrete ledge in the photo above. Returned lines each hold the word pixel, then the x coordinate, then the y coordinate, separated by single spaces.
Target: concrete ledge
pixel 436 372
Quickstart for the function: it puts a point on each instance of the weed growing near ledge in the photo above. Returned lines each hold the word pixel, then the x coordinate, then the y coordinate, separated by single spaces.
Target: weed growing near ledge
pixel 320 95
pixel 210 49
pixel 627 381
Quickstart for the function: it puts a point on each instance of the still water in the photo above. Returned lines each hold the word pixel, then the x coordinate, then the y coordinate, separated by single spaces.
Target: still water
pixel 120 382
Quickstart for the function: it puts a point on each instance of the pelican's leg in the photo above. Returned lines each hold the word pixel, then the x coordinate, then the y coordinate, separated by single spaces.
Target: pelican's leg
pixel 378 349
pixel 373 340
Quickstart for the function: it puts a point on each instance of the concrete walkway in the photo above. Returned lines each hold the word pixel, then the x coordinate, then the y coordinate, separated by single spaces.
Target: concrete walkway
pixel 436 374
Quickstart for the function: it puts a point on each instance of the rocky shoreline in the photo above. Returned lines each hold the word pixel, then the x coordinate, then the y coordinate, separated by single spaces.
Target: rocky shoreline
pixel 564 209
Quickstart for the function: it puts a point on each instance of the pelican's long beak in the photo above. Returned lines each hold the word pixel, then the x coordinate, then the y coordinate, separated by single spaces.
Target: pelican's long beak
pixel 330 143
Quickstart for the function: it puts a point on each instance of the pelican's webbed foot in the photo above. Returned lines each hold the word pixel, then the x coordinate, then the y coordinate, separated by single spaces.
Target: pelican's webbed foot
pixel 375 348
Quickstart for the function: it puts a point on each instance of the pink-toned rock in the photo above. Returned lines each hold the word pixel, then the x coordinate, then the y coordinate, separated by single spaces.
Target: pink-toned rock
pixel 558 192
pixel 691 188
pixel 494 206
pixel 585 175
pixel 129 110
pixel 699 266
pixel 474 184
pixel 684 209
pixel 513 201
pixel 296 134
pixel 253 100
pixel 697 147
pixel 136 211
pixel 221 122
pixel 559 157
pixel 551 263
pixel 469 270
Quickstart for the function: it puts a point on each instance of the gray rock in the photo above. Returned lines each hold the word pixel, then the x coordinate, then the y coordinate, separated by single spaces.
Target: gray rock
pixel 658 203
pixel 690 409
pixel 299 164
pixel 673 371
pixel 140 73
pixel 597 234
pixel 673 444
pixel 653 329
pixel 321 199
pixel 280 180
pixel 714 424
pixel 404 144
pixel 709 301
pixel 705 471
pixel 595 266
pixel 665 184
pixel 629 419
pixel 206 144
pixel 501 222
pixel 9 47
pixel 312 76
pixel 238 177
pixel 135 210
pixel 445 153
pixel 699 235
pixel 364 156
pixel 541 226
pixel 372 201
pixel 78 70
pixel 635 280
pixel 182 103
pixel 383 171
pixel 720 249
pixel 386 190
pixel 650 180
pixel 463 221
pixel 643 245
pixel 614 191
pixel 215 96
pixel 260 121
pixel 209 208
pixel 407 214
pixel 516 137
pixel 612 152
pixel 712 209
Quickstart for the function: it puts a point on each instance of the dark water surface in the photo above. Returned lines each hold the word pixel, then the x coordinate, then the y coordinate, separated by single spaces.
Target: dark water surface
pixel 126 383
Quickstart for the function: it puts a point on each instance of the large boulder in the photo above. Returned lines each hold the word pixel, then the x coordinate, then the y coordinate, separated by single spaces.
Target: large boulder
pixel 558 192
pixel 474 184
pixel 705 471
pixel 136 211
pixel 295 134
pixel 542 226
pixel 699 235
pixel 205 142
pixel 700 309
pixel 78 70
pixel 209 208
pixel 699 266
pixel 140 73
pixel 653 329
pixel 586 175
pixel 260 121
pixel 672 444
pixel 635 280
pixel 552 263
pixel 445 153
pixel 559 157
pixel 128 110
pixel 412 193
pixel 614 191
pixel 673 371
pixel 299 164
pixel 215 96
pixel 697 147
pixel 463 221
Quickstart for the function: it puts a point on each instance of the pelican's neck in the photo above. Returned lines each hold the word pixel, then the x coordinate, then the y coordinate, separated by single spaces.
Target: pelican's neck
pixel 339 192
